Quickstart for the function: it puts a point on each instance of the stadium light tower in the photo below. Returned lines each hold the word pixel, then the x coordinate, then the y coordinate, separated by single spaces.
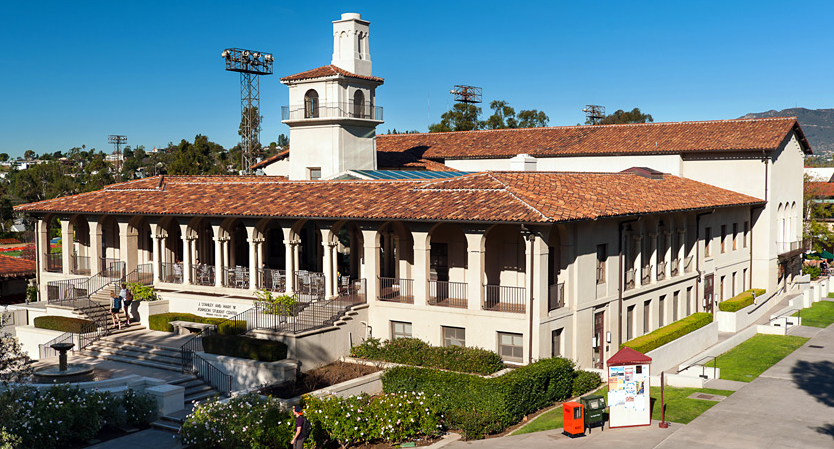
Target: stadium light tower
pixel 117 141
pixel 250 64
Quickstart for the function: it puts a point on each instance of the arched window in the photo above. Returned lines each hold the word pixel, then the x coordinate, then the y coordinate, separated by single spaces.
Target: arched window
pixel 311 104
pixel 359 104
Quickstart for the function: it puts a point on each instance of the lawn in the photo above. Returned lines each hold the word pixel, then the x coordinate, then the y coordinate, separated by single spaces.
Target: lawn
pixel 11 253
pixel 746 361
pixel 821 314
pixel 679 408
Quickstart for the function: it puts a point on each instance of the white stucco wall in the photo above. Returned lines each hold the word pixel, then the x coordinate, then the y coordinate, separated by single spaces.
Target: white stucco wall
pixel 665 163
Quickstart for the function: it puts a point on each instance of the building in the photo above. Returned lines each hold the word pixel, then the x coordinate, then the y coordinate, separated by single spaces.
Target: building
pixel 15 274
pixel 536 242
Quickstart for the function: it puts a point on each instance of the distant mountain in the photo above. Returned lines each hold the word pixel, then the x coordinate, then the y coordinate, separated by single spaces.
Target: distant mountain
pixel 818 125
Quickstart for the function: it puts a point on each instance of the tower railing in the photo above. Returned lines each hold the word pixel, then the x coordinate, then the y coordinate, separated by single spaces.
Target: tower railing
pixel 343 109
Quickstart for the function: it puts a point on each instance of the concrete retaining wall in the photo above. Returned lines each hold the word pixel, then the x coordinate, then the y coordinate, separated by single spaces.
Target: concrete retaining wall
pixel 673 353
pixel 735 321
pixel 30 337
pixel 248 374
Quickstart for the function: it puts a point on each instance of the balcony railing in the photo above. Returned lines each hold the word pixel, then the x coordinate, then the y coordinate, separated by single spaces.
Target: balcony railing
pixel 688 265
pixel 449 294
pixel 54 263
pixel 202 274
pixel 396 290
pixel 111 266
pixel 347 109
pixel 236 277
pixel 786 247
pixel 352 290
pixel 273 280
pixel 661 270
pixel 309 285
pixel 500 298
pixel 629 278
pixel 81 265
pixel 171 272
pixel 646 275
pixel 556 296
pixel 675 265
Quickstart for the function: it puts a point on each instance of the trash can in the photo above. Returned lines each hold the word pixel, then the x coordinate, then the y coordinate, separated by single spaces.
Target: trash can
pixel 594 405
pixel 573 419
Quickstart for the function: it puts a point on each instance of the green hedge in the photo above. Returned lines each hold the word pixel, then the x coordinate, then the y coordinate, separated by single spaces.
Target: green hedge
pixel 62 323
pixel 415 352
pixel 159 322
pixel 741 300
pixel 665 334
pixel 585 381
pixel 245 347
pixel 479 406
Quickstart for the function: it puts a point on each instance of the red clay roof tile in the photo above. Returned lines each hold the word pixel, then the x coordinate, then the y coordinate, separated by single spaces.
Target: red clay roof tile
pixel 16 267
pixel 328 70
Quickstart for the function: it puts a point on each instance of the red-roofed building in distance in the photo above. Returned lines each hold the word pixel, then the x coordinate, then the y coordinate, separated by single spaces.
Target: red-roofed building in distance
pixel 531 242
pixel 15 274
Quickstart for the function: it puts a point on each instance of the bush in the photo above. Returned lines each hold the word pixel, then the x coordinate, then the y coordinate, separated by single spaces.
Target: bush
pixel 812 271
pixel 159 322
pixel 665 334
pixel 275 304
pixel 363 419
pixel 245 347
pixel 63 415
pixel 245 421
pixel 63 324
pixel 412 351
pixel 585 381
pixel 741 300
pixel 142 292
pixel 479 405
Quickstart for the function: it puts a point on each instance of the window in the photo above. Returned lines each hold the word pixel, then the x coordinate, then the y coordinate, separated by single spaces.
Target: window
pixel 315 173
pixel 675 299
pixel 744 280
pixel 602 254
pixel 746 228
pixel 723 238
pixel 721 286
pixel 629 323
pixel 510 347
pixel 556 343
pixel 647 322
pixel 311 104
pixel 359 104
pixel 735 236
pixel 688 301
pixel 733 287
pixel 661 311
pixel 707 241
pixel 454 336
pixel 400 329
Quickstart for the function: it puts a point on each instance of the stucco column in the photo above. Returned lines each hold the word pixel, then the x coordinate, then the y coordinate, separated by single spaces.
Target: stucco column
pixel 95 247
pixel 422 248
pixel 652 257
pixel 638 260
pixel 540 294
pixel 667 255
pixel 43 243
pixel 218 258
pixel 370 269
pixel 327 265
pixel 529 241
pixel 128 245
pixel 475 269
pixel 66 246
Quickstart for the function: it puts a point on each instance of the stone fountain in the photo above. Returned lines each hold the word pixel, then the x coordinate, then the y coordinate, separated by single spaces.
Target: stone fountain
pixel 64 372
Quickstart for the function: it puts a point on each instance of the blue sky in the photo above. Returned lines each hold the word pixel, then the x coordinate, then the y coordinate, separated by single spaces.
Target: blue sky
pixel 74 72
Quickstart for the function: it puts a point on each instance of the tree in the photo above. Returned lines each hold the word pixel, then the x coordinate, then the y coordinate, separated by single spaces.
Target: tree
pixel 29 155
pixel 198 158
pixel 503 116
pixel 462 117
pixel 15 365
pixel 820 236
pixel 532 119
pixel 620 116
pixel 4 157
pixel 283 141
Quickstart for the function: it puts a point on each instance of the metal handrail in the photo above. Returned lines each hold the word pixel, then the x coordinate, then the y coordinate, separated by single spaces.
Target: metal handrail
pixel 71 290
pixel 81 265
pixel 395 290
pixel 344 109
pixel 450 294
pixel 171 272
pixel 211 374
pixel 704 366
pixel 236 277
pixel 143 274
pixel 54 263
pixel 45 350
pixel 273 280
pixel 501 298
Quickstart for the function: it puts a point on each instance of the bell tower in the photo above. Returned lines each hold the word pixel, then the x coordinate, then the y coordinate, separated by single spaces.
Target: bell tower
pixel 332 112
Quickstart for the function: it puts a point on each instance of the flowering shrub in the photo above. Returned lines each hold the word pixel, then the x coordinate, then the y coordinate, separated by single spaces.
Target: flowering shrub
pixel 245 421
pixel 413 351
pixel 363 419
pixel 62 415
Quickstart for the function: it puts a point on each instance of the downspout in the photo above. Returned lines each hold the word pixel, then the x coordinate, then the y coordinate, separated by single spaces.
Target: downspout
pixel 532 239
pixel 698 256
pixel 620 280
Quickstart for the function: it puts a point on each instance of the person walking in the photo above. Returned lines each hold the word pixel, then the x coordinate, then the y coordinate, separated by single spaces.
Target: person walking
pixel 303 427
pixel 127 299
pixel 115 306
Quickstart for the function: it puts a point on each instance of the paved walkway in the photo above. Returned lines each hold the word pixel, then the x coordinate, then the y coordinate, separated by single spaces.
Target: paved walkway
pixel 146 439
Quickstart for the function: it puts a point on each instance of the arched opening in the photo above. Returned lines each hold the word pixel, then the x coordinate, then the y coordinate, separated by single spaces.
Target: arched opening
pixel 170 258
pixel 556 286
pixel 359 104
pixel 273 256
pixel 396 257
pixel 110 240
pixel 505 269
pixel 311 104
pixel 139 251
pixel 235 255
pixel 448 266
pixel 80 257
pixel 348 260
pixel 202 252
pixel 52 248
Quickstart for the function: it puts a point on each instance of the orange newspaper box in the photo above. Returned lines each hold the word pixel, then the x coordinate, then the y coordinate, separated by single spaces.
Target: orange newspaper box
pixel 573 418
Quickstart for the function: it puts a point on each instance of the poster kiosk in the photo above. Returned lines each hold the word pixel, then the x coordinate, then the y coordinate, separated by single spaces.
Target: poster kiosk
pixel 629 398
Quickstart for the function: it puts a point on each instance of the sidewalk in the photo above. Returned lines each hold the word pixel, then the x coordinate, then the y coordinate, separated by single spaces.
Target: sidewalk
pixel 145 439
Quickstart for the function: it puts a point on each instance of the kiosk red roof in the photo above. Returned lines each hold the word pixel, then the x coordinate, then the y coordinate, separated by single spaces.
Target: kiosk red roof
pixel 628 356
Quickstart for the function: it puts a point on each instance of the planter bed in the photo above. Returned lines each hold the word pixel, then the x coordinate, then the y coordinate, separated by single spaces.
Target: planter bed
pixel 318 379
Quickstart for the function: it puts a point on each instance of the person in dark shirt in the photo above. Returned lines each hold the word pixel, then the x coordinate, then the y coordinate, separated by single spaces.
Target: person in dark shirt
pixel 301 430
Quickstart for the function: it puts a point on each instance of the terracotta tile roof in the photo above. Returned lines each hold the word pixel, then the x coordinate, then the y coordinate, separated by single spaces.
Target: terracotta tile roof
pixel 490 196
pixel 819 189
pixel 328 70
pixel 407 159
pixel 599 140
pixel 276 157
pixel 16 267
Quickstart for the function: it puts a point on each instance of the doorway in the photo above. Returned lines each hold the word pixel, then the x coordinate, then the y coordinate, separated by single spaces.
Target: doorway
pixel 709 287
pixel 599 331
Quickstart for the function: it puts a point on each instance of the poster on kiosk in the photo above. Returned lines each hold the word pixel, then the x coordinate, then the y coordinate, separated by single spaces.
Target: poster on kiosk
pixel 629 398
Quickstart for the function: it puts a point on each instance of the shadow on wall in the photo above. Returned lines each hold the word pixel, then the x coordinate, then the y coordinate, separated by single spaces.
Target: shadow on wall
pixel 817 379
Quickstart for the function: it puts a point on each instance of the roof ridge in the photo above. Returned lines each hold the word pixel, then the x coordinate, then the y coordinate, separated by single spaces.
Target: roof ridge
pixel 615 125
pixel 507 189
